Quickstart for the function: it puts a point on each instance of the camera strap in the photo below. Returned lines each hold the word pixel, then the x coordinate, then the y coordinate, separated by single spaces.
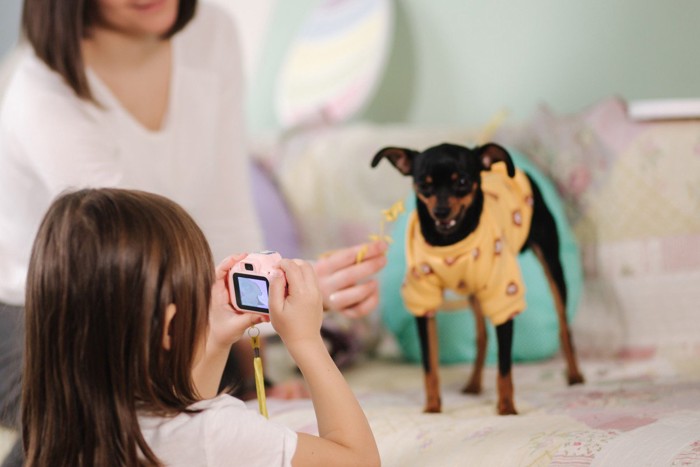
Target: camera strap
pixel 254 334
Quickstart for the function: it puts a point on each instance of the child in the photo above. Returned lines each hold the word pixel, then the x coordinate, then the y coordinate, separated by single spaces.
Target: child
pixel 140 94
pixel 128 327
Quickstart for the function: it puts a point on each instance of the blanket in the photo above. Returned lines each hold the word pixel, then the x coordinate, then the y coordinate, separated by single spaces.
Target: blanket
pixel 632 411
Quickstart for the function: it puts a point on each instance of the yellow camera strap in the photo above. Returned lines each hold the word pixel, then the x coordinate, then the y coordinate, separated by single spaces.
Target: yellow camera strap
pixel 257 365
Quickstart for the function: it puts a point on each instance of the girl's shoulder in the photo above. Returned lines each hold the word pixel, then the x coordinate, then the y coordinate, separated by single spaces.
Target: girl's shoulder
pixel 220 402
pixel 219 430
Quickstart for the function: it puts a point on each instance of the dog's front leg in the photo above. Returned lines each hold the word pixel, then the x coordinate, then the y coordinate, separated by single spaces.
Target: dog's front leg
pixel 427 332
pixel 474 384
pixel 504 333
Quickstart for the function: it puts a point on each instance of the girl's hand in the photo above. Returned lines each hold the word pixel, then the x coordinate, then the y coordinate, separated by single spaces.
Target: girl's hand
pixel 227 325
pixel 296 314
pixel 345 284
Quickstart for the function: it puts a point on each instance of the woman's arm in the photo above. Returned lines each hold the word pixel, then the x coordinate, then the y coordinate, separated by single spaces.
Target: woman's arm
pixel 345 437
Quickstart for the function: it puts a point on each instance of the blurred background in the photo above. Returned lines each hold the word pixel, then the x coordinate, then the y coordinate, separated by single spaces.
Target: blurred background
pixel 332 81
pixel 460 61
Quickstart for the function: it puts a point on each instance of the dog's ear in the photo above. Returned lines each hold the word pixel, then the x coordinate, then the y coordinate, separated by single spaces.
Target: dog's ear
pixel 491 153
pixel 401 158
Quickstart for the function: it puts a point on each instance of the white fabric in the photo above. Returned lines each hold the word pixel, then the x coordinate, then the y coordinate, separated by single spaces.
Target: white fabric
pixel 225 432
pixel 50 141
pixel 642 447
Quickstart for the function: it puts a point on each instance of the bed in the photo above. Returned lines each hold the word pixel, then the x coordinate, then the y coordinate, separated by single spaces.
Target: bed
pixel 631 195
pixel 636 326
pixel 632 411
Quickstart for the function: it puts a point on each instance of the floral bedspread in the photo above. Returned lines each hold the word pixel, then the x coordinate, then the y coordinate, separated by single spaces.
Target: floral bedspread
pixel 630 412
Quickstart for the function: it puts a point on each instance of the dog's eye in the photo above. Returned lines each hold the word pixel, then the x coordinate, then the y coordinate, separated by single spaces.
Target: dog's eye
pixel 425 188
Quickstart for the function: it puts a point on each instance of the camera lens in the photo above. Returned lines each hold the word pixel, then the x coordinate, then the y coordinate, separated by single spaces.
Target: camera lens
pixel 248 266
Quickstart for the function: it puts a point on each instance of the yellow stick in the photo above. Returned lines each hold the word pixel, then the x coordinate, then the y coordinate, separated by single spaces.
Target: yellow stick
pixel 259 376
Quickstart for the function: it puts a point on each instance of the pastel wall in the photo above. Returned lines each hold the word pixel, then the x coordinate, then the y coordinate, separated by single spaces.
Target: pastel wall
pixel 461 61
pixel 9 24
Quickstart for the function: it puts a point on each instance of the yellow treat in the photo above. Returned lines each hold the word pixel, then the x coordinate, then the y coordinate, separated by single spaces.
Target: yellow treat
pixel 361 253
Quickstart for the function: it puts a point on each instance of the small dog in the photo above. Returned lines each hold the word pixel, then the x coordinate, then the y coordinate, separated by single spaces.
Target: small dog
pixel 475 212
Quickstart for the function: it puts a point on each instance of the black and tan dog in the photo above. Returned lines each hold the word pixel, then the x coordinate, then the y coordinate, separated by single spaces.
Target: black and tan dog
pixel 475 212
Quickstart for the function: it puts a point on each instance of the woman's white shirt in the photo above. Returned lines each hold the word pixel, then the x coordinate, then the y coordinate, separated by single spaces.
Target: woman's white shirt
pixel 51 141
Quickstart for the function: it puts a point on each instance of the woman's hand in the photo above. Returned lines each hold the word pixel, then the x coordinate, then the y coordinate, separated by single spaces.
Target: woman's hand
pixel 227 325
pixel 345 284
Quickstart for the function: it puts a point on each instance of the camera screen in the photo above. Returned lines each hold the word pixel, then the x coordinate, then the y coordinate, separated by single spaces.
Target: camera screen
pixel 251 292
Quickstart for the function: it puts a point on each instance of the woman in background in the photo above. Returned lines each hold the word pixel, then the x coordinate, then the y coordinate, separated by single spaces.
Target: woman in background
pixel 143 94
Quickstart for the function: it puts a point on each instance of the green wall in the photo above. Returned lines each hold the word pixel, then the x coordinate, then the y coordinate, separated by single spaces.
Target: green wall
pixel 10 12
pixel 461 61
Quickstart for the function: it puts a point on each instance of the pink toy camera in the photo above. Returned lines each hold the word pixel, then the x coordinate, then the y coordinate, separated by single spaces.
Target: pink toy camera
pixel 249 284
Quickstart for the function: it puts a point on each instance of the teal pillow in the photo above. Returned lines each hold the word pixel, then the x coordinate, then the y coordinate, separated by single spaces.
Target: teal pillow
pixel 536 333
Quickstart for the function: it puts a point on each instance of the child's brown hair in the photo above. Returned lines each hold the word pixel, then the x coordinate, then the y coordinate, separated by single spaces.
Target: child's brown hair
pixel 104 266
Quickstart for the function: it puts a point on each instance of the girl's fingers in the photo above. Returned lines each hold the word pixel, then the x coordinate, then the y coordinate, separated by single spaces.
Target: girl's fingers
pixel 293 274
pixel 277 293
pixel 240 322
pixel 308 274
pixel 224 266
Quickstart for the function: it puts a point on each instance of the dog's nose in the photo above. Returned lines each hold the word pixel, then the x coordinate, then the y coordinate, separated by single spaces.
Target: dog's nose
pixel 441 212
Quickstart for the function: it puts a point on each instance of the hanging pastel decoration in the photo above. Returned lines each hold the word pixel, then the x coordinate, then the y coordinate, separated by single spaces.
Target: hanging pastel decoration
pixel 333 66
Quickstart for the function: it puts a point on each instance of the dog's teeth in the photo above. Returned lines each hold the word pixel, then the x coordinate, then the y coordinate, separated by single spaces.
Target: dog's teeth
pixel 447 225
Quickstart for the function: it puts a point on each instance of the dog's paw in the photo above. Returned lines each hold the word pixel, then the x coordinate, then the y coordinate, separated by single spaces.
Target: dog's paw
pixel 433 406
pixel 506 407
pixel 472 387
pixel 576 378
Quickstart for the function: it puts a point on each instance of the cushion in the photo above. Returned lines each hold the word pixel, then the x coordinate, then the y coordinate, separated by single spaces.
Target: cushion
pixel 276 221
pixel 630 189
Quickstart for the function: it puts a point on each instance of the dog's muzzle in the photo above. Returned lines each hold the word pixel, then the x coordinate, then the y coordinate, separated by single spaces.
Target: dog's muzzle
pixel 446 225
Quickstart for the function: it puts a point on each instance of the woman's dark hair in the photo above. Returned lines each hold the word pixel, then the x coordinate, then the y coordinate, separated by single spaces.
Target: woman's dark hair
pixel 105 265
pixel 55 29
